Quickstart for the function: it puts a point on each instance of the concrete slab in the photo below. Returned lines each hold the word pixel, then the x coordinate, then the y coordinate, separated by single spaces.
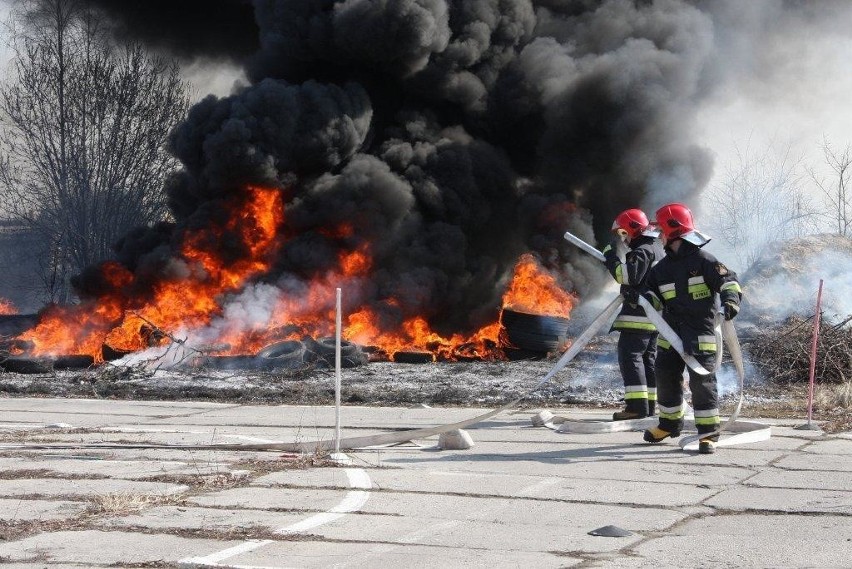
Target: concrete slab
pixel 500 480
pixel 62 487
pixel 840 445
pixel 29 510
pixel 310 554
pixel 104 548
pixel 754 541
pixel 188 517
pixel 826 480
pixel 522 496
pixel 783 500
pixel 127 469
pixel 821 463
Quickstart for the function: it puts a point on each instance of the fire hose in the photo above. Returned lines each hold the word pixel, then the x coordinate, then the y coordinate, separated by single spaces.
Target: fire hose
pixel 751 431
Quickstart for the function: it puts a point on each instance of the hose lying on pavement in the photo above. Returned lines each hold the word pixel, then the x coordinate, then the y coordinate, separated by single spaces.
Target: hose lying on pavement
pixel 746 431
pixel 388 438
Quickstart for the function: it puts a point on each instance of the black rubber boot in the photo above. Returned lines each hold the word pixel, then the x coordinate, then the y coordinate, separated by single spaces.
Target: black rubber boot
pixel 627 415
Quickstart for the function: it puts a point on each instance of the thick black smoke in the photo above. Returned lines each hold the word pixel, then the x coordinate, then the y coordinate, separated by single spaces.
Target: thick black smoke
pixel 189 29
pixel 451 135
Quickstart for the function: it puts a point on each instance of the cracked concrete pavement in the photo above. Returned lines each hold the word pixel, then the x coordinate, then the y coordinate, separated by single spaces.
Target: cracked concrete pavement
pixel 521 497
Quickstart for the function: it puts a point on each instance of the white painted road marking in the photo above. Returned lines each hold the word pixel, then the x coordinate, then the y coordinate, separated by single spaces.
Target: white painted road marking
pixel 353 501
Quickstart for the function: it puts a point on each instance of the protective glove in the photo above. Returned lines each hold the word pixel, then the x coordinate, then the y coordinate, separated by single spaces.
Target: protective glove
pixel 630 295
pixel 731 309
pixel 615 240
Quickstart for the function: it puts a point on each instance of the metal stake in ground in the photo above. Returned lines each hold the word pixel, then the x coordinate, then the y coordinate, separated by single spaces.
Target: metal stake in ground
pixel 812 371
pixel 337 379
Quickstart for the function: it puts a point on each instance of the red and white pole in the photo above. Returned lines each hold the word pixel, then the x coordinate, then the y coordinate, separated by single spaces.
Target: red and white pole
pixel 814 354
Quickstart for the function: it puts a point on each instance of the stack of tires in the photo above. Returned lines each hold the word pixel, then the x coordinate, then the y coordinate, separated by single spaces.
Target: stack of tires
pixel 319 351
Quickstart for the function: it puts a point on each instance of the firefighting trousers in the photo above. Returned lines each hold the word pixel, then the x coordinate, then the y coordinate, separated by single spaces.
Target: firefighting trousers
pixel 636 355
pixel 705 397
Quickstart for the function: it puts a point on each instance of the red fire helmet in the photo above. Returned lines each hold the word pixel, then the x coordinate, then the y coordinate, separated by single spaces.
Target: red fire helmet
pixel 633 222
pixel 675 220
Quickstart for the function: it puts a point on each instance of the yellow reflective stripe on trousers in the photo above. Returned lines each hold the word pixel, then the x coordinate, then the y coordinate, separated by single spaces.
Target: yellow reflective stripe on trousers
pixel 652 394
pixel 707 417
pixel 706 343
pixel 635 392
pixel 673 413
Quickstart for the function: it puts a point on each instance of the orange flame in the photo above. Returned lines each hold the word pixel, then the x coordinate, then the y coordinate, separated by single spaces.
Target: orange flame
pixel 7 308
pixel 535 291
pixel 125 323
pixel 199 300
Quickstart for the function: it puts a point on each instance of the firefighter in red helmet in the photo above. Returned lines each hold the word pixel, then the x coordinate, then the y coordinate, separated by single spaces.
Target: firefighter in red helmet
pixel 683 285
pixel 637 336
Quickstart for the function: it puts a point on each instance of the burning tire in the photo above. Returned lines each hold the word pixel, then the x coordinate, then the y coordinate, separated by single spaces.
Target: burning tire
pixel 321 351
pixel 282 353
pixel 534 332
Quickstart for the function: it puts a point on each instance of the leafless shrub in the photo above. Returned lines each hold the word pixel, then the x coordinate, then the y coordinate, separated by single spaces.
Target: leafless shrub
pixel 783 353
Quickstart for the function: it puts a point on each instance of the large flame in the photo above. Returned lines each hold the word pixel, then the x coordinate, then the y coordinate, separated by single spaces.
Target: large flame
pixel 201 300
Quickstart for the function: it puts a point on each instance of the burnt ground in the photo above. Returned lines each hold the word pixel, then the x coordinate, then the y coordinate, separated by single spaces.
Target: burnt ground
pixel 592 380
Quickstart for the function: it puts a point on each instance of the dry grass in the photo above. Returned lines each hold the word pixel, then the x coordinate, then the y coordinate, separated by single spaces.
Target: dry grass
pixel 123 504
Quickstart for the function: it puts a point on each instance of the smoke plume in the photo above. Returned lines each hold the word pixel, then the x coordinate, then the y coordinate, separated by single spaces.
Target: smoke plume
pixel 448 136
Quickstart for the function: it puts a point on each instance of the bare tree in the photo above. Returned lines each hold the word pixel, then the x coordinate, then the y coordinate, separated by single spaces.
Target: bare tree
pixel 836 191
pixel 759 201
pixel 82 149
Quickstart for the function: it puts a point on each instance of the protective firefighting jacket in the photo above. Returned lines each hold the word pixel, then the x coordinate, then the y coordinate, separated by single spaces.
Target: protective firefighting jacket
pixel 631 275
pixel 683 285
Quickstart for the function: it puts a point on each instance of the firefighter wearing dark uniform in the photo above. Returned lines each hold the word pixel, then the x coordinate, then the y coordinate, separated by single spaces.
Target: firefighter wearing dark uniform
pixel 683 285
pixel 637 336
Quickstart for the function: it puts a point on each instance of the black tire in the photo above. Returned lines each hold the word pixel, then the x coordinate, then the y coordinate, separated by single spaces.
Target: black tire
pixel 111 354
pixel 321 351
pixel 21 364
pixel 534 332
pixel 413 357
pixel 286 354
pixel 81 361
pixel 535 323
pixel 286 350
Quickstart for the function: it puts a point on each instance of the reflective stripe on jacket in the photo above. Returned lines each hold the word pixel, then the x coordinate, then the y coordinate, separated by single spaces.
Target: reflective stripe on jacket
pixel 632 274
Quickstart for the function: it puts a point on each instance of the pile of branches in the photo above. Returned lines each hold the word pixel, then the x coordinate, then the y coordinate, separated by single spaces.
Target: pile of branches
pixel 783 353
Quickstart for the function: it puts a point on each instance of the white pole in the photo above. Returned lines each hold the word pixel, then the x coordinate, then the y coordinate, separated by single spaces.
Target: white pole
pixel 338 326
